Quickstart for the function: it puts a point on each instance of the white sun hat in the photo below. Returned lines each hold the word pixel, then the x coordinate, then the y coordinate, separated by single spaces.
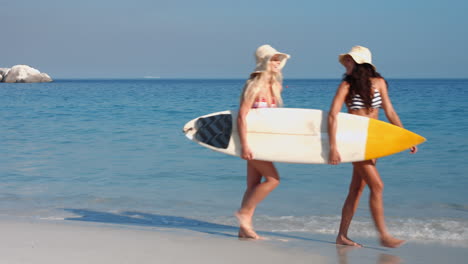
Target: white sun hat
pixel 359 54
pixel 263 56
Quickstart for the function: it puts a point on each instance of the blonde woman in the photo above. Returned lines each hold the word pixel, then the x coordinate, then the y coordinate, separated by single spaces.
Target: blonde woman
pixel 262 89
pixel 364 91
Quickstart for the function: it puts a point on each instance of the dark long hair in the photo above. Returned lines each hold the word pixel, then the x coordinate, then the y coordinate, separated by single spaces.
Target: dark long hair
pixel 360 83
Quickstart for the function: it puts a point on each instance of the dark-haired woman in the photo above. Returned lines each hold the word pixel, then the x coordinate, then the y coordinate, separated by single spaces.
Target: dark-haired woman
pixel 364 91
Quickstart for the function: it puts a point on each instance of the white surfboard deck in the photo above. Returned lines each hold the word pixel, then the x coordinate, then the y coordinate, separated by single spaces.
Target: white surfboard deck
pixel 296 135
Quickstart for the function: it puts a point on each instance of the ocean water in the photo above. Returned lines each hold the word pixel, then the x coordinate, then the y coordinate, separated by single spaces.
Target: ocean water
pixel 113 151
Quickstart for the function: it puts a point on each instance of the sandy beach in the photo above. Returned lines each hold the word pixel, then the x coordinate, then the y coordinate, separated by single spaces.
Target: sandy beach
pixel 40 241
pixel 65 242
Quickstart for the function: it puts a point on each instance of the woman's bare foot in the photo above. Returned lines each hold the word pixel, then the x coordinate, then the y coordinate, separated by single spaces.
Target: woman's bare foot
pixel 343 240
pixel 245 226
pixel 244 220
pixel 248 233
pixel 391 242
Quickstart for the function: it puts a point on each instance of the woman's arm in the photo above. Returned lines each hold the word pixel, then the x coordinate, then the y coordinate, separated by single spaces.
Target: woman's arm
pixel 340 96
pixel 387 106
pixel 244 109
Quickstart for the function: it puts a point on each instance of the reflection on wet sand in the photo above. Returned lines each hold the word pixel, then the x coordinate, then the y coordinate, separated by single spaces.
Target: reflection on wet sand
pixel 342 254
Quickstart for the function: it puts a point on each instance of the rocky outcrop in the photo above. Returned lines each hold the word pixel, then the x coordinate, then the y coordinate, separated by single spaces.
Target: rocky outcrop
pixel 3 73
pixel 23 74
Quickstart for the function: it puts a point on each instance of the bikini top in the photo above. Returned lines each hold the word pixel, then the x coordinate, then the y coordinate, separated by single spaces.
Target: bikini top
pixel 357 103
pixel 262 103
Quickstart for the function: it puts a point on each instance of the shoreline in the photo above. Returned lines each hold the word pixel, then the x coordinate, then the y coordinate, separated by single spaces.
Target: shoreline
pixel 65 241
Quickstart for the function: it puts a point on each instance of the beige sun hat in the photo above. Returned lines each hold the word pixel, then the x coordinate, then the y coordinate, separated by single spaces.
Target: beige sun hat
pixel 359 54
pixel 263 56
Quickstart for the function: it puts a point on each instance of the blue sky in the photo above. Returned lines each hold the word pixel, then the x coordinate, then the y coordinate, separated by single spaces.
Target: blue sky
pixel 217 39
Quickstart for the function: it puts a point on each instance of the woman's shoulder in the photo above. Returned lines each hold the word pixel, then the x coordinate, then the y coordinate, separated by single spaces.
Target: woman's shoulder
pixel 378 80
pixel 344 84
pixel 379 83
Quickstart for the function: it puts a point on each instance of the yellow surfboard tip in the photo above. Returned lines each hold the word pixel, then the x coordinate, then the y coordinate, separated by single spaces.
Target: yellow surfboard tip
pixel 384 139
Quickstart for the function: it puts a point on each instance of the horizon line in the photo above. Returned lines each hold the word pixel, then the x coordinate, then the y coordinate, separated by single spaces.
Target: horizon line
pixel 239 78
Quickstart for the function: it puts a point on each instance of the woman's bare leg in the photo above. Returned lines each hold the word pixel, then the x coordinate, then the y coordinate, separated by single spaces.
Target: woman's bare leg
pixel 255 193
pixel 245 220
pixel 371 176
pixel 349 208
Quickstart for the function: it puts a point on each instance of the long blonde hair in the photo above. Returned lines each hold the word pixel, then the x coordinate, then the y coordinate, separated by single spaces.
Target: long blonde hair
pixel 258 80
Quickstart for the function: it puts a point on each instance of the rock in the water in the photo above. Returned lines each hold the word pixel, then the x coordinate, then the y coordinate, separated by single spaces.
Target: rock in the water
pixel 25 74
pixel 3 73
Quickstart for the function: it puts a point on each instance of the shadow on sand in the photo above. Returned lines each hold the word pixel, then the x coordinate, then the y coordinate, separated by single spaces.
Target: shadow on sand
pixel 167 221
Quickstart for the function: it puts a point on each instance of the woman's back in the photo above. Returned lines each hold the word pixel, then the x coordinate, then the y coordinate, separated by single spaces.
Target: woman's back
pixel 356 106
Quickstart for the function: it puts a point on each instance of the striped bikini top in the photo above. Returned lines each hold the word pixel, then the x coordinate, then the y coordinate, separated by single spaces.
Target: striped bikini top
pixel 357 103
pixel 262 103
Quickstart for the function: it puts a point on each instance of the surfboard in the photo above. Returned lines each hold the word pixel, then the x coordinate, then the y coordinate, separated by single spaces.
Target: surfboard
pixel 294 135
